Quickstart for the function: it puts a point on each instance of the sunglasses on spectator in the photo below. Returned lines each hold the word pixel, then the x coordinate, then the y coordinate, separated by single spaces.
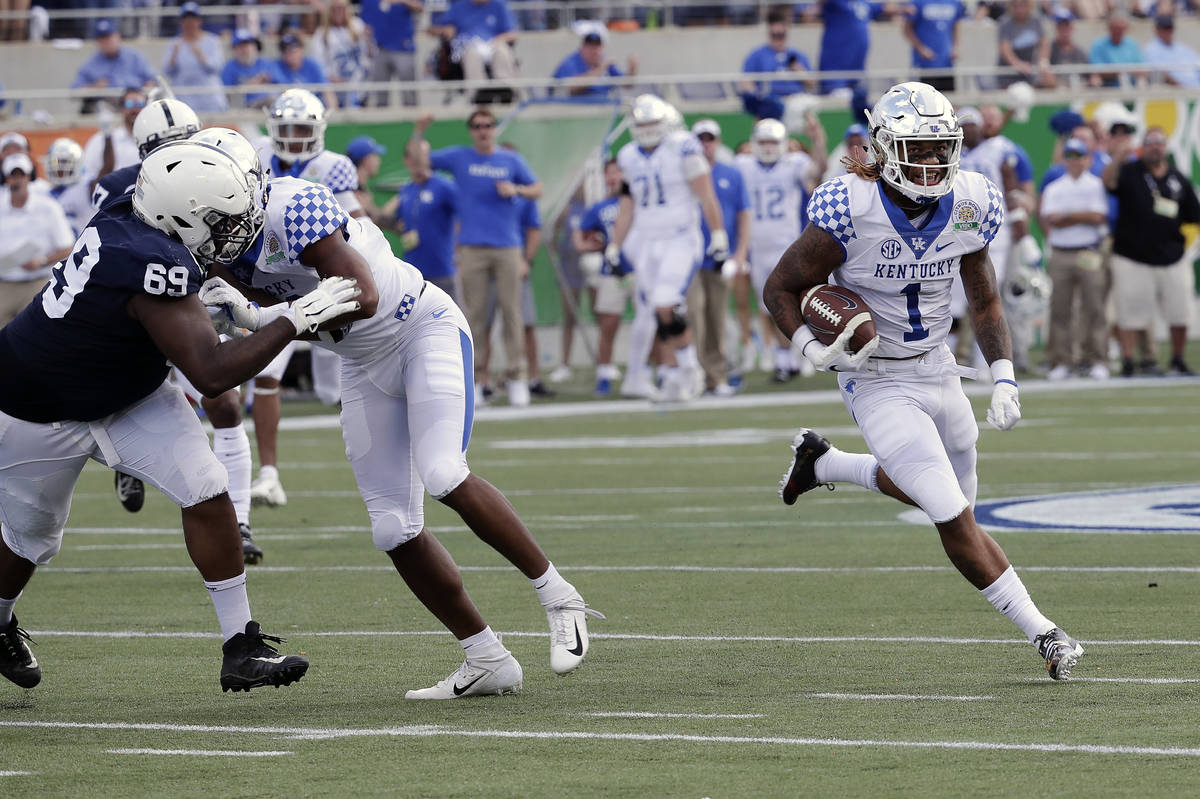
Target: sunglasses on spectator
pixel 1073 154
pixel 482 125
pixel 135 103
pixel 778 34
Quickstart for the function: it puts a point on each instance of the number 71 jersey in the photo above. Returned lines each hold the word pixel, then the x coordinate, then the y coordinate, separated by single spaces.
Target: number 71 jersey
pixel 74 353
pixel 905 273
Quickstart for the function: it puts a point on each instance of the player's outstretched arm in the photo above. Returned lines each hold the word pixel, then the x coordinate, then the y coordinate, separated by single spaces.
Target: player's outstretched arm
pixel 332 256
pixel 983 300
pixel 808 262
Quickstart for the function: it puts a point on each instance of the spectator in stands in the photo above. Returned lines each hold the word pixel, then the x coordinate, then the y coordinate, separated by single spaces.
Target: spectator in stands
pixel 13 142
pixel 113 146
pixel 766 99
pixel 708 294
pixel 195 58
pixel 114 65
pixel 1115 48
pixel 1074 212
pixel 1024 46
pixel 1182 62
pixel 14 30
pixel 1063 50
pixel 846 38
pixel 34 235
pixel 425 211
pixel 248 68
pixel 367 157
pixel 341 47
pixel 1151 277
pixel 395 56
pixel 482 34
pixel 590 61
pixel 489 182
pixel 931 27
pixel 294 66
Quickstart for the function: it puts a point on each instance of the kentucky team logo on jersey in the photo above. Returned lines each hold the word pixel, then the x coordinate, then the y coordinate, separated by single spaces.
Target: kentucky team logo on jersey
pixel 966 215
pixel 891 249
pixel 1157 509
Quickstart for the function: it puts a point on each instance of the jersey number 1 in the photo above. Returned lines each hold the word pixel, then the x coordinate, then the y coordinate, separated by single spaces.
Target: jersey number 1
pixel 913 292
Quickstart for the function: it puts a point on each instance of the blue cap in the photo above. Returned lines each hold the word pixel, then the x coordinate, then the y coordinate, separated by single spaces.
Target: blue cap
pixel 1075 146
pixel 1063 14
pixel 362 146
pixel 856 129
pixel 241 36
pixel 1064 121
pixel 104 27
pixel 289 40
pixel 189 8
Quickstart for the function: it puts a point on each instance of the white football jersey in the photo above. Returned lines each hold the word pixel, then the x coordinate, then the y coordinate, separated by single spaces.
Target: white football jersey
pixel 76 202
pixel 989 157
pixel 327 168
pixel 300 213
pixel 776 194
pixel 904 273
pixel 663 202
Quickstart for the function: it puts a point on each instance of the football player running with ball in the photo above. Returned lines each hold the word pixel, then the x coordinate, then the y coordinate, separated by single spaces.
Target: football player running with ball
pixel 896 232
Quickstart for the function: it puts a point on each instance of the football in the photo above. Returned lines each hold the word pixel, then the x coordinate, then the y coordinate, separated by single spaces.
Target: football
pixel 830 310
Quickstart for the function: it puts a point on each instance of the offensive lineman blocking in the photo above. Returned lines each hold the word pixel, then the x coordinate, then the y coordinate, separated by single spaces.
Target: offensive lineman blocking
pixel 897 232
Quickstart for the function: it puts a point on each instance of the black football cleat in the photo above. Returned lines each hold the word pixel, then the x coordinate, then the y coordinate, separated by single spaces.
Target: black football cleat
pixel 251 662
pixel 17 662
pixel 1060 652
pixel 130 491
pixel 251 552
pixel 801 476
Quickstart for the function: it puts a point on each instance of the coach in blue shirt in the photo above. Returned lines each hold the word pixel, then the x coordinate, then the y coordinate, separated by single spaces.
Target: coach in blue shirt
pixel 114 65
pixel 426 209
pixel 391 25
pixel 489 181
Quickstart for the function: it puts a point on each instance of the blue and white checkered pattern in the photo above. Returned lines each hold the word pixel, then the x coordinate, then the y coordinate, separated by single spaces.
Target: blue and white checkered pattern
pixel 342 176
pixel 829 209
pixel 993 217
pixel 406 306
pixel 311 215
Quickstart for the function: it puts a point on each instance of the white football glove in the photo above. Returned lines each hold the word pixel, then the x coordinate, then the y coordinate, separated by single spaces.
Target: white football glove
pixel 219 296
pixel 718 245
pixel 612 254
pixel 730 270
pixel 332 297
pixel 832 357
pixel 223 322
pixel 1005 410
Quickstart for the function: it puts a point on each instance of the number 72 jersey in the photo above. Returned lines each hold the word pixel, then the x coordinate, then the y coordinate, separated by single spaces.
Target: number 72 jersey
pixel 75 353
pixel 905 272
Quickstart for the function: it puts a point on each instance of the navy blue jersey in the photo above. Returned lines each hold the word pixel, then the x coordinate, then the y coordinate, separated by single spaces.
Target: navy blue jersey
pixel 115 184
pixel 74 353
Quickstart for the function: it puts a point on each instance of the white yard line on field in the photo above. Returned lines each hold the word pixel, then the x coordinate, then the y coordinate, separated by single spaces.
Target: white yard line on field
pixel 18 773
pixel 433 730
pixel 1128 680
pixel 902 697
pixel 194 752
pixel 638 714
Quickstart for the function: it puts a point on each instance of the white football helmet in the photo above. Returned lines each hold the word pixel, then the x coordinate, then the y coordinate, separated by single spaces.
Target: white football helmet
pixel 162 121
pixel 63 162
pixel 296 122
pixel 915 112
pixel 239 148
pixel 768 142
pixel 199 195
pixel 651 120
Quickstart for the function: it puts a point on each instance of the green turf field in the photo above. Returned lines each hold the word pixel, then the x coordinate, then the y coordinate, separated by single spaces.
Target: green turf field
pixel 750 649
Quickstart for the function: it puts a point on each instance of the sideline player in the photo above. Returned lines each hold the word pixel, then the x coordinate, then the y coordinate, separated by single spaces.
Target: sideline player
pixel 778 182
pixel 70 187
pixel 899 244
pixel 407 409
pixel 86 365
pixel 658 229
pixel 295 147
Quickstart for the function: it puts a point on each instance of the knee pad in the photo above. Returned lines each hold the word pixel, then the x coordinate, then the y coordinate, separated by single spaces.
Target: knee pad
pixel 675 327
pixel 389 529
pixel 964 469
pixel 937 493
pixel 35 549
pixel 444 475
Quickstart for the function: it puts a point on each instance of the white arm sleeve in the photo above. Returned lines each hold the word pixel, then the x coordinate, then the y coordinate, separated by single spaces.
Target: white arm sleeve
pixel 694 165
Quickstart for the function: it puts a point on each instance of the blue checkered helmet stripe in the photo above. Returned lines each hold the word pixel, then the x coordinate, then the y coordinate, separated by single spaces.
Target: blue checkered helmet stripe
pixel 829 209
pixel 993 218
pixel 311 215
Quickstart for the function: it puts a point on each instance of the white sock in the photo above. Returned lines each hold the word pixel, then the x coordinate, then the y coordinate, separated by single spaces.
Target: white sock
pixel 782 359
pixel 686 357
pixel 641 340
pixel 483 645
pixel 6 608
pixel 266 472
pixel 551 587
pixel 231 445
pixel 836 466
pixel 1009 596
pixel 607 371
pixel 231 603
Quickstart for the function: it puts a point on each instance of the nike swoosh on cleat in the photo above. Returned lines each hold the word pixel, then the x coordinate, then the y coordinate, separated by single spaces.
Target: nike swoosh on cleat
pixel 438 313
pixel 460 689
pixel 279 659
pixel 577 650
pixel 32 663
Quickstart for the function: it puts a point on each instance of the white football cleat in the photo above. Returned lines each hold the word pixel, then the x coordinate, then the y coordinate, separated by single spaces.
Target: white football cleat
pixel 561 374
pixel 476 679
pixel 569 633
pixel 267 490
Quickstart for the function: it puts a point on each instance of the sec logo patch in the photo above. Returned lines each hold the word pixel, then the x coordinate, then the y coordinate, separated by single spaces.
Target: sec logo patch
pixel 891 249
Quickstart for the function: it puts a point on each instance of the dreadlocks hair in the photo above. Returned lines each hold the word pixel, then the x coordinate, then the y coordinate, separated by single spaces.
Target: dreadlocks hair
pixel 864 171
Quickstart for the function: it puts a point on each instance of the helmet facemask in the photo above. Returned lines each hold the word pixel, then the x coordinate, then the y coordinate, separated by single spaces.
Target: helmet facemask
pixel 917 141
pixel 651 120
pixel 229 235
pixel 296 123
